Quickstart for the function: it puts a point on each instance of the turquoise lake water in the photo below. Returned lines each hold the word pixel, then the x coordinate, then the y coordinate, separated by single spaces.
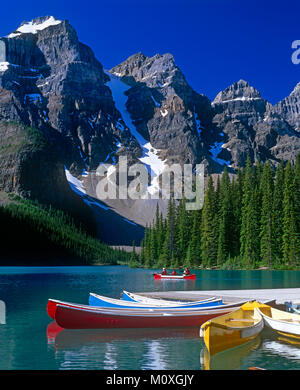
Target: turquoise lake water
pixel 28 342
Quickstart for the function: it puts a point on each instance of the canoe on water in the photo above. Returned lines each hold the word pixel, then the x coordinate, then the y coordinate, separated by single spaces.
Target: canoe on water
pixel 99 300
pixel 132 297
pixel 233 329
pixel 69 317
pixel 282 322
pixel 53 303
pixel 175 277
pixel 91 317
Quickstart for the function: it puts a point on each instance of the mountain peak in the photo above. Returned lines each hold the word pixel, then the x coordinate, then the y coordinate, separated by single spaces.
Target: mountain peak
pixel 35 25
pixel 240 90
pixel 152 70
pixel 296 89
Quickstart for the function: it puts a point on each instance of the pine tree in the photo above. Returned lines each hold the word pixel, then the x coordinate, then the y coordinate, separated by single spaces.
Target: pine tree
pixel 249 223
pixel 224 219
pixel 236 193
pixel 266 232
pixel 290 239
pixel 182 231
pixel 297 194
pixel 277 220
pixel 168 248
pixel 146 255
pixel 133 261
pixel 195 239
pixel 208 227
pixel 188 257
pixel 143 253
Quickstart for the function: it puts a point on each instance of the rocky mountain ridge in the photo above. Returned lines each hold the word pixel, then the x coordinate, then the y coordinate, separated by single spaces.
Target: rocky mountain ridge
pixel 143 109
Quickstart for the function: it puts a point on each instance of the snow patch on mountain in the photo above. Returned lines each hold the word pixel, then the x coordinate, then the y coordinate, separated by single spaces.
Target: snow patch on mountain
pixel 4 66
pixel 150 159
pixel 75 184
pixel 242 98
pixel 33 27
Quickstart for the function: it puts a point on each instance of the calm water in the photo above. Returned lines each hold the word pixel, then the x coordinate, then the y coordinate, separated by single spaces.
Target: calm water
pixel 28 340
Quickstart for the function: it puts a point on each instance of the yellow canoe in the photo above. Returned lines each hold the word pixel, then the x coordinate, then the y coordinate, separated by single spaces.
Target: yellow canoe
pixel 282 322
pixel 233 329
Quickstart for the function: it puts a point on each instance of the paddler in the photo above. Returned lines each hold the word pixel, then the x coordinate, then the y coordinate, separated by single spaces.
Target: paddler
pixel 186 271
pixel 164 271
pixel 173 272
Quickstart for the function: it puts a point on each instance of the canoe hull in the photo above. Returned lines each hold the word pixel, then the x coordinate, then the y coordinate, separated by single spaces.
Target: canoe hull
pixel 218 340
pixel 74 318
pixel 284 323
pixel 230 331
pixel 175 277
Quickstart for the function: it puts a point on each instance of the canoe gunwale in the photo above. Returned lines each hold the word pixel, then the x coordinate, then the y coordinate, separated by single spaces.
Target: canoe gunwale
pixel 281 325
pixel 130 313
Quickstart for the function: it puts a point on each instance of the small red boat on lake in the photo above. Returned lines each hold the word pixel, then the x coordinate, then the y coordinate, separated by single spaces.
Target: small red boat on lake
pixel 175 277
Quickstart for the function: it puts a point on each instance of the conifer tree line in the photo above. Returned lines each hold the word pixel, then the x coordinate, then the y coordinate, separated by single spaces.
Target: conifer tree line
pixel 247 221
pixel 32 229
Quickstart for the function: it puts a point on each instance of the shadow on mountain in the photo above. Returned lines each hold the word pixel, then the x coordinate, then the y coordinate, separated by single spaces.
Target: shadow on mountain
pixel 113 228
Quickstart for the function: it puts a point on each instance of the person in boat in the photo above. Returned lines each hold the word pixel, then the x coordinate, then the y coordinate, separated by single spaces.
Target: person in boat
pixel 186 271
pixel 173 272
pixel 164 271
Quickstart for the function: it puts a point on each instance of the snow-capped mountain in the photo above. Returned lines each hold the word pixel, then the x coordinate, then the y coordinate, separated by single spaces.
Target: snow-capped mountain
pixel 143 109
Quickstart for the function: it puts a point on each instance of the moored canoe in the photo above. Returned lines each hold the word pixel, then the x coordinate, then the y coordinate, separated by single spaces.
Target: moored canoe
pixel 132 297
pixel 99 300
pixel 282 322
pixel 81 318
pixel 233 329
pixel 53 305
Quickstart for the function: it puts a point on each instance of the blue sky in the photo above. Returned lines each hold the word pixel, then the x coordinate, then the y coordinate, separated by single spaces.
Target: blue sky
pixel 214 42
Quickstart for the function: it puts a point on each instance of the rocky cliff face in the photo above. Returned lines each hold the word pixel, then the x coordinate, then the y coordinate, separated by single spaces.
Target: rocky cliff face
pixel 165 109
pixel 289 108
pixel 251 126
pixel 142 108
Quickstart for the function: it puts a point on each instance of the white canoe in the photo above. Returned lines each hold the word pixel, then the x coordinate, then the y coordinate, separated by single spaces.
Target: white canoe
pixel 131 297
pixel 284 323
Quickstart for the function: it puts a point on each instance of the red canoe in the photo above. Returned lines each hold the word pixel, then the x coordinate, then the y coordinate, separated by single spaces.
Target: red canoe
pixel 52 304
pixel 222 309
pixel 81 318
pixel 175 277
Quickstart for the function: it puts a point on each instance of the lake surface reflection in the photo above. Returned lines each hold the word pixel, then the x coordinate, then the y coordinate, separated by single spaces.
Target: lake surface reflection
pixel 29 339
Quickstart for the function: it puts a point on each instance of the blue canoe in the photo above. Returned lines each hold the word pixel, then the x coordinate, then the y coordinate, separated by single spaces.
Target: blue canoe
pixel 98 300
